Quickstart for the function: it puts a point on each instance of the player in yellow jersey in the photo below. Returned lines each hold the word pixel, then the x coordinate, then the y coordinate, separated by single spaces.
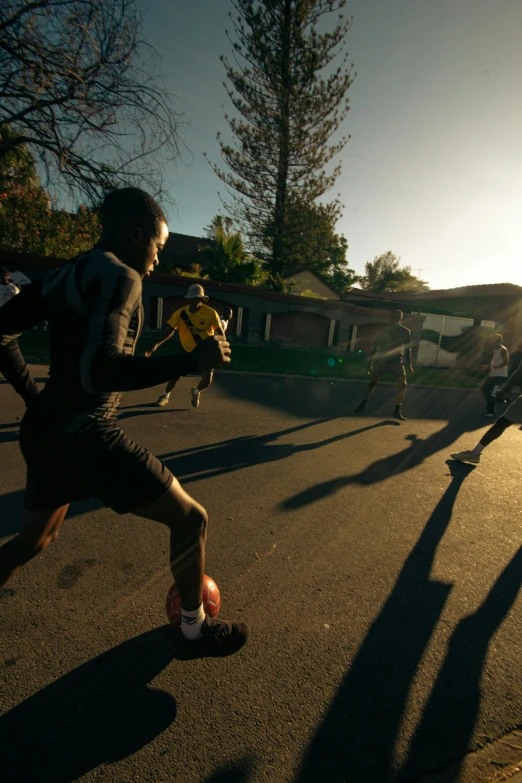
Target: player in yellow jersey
pixel 195 322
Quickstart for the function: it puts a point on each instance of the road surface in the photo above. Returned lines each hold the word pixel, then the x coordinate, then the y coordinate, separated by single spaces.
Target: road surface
pixel 382 587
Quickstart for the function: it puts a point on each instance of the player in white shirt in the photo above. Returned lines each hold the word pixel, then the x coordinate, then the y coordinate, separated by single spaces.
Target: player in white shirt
pixel 7 289
pixel 225 319
pixel 498 371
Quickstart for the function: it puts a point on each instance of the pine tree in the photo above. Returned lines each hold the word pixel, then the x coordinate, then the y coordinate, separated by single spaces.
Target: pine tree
pixel 292 99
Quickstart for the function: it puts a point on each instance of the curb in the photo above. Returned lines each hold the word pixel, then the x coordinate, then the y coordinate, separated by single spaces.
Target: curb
pixel 342 380
pixel 332 378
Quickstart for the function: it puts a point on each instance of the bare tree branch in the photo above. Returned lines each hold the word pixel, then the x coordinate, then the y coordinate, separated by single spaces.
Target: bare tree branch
pixel 81 88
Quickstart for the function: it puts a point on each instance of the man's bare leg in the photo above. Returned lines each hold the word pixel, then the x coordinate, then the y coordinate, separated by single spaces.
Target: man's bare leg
pixel 164 398
pixel 401 391
pixel 187 521
pixel 494 432
pixel 369 391
pixel 206 380
pixel 39 529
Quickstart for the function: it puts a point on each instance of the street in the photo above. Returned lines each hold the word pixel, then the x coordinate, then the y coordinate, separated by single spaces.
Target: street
pixel 381 585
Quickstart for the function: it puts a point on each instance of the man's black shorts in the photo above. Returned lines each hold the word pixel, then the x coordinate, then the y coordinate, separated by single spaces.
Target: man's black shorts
pixel 388 368
pixel 100 462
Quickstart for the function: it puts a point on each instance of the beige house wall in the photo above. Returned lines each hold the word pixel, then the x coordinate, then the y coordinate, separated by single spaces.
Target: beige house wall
pixel 307 281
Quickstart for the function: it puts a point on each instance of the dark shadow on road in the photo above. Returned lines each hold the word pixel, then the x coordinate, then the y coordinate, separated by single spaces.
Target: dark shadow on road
pixel 315 397
pixel 357 738
pixel 227 456
pixel 409 458
pixel 128 414
pixel 99 713
pixel 239 771
pixel 446 728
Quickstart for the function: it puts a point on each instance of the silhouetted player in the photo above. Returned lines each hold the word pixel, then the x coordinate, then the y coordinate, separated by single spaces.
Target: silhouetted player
pixel 387 358
pixel 512 415
pixel 69 435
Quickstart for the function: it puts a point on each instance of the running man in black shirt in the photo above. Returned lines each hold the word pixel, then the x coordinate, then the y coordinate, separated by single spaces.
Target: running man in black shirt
pixel 69 435
pixel 387 357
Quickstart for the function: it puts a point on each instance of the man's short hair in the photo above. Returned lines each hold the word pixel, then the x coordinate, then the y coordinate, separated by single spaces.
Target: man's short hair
pixel 131 207
pixel 4 271
pixel 497 337
pixel 397 313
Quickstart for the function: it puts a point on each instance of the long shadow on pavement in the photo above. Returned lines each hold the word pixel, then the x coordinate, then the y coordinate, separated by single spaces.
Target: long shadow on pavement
pixel 357 738
pixel 409 458
pixel 99 713
pixel 315 397
pixel 227 456
pixel 445 730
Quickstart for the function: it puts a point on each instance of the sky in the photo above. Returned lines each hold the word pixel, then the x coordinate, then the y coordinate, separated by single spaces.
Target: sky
pixel 433 170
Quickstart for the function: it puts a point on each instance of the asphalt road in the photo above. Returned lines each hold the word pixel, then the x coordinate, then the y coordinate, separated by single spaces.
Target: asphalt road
pixel 381 585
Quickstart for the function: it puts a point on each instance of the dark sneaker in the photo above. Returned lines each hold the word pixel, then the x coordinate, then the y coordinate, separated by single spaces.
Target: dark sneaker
pixel 360 408
pixel 466 456
pixel 220 637
pixel 397 414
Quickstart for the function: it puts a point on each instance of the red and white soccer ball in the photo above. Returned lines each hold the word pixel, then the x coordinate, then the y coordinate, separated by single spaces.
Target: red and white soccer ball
pixel 211 601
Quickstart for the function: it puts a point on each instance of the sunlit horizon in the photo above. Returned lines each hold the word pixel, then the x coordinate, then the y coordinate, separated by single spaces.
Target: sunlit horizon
pixel 432 171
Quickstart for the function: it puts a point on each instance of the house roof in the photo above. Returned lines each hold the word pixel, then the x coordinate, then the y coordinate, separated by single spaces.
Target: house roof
pixel 359 293
pixel 311 271
pixel 488 289
pixel 12 259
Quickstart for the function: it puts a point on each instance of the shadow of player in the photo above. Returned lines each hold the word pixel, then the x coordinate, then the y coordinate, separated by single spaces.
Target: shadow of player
pixel 446 727
pixel 357 738
pixel 227 456
pixel 99 713
pixel 409 458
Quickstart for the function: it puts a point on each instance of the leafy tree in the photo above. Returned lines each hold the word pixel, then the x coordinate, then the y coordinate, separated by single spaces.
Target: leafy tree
pixel 228 260
pixel 219 222
pixel 28 222
pixel 16 162
pixel 80 88
pixel 290 107
pixel 384 273
pixel 311 240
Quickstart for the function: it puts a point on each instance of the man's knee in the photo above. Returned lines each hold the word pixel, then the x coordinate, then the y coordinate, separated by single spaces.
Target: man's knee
pixel 402 382
pixel 196 520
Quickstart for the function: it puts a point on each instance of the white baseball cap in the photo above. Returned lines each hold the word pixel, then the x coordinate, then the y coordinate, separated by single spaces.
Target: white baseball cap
pixel 196 292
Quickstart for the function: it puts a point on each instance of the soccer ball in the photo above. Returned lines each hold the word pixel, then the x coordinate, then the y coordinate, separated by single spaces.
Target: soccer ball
pixel 211 601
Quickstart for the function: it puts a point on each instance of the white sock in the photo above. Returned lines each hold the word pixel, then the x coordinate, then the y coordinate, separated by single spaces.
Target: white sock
pixel 478 449
pixel 192 622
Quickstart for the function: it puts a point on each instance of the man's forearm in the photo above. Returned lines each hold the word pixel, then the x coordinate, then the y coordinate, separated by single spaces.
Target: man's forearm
pixel 164 339
pixel 113 371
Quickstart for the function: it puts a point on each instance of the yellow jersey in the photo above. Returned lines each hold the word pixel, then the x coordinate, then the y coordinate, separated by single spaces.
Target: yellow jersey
pixel 202 323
